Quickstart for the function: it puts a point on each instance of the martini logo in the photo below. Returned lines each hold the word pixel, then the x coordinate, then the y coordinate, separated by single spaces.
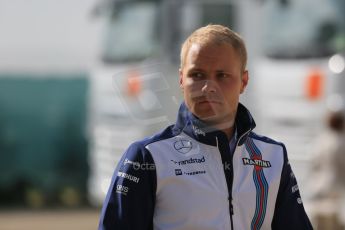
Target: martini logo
pixel 256 162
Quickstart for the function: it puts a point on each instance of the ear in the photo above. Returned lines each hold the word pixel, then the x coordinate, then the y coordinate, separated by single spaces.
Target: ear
pixel 181 78
pixel 245 79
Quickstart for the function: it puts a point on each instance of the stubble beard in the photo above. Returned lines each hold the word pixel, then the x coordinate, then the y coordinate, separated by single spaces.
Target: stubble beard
pixel 214 120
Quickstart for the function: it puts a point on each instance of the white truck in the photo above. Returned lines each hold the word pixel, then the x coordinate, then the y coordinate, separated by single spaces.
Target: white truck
pixel 301 76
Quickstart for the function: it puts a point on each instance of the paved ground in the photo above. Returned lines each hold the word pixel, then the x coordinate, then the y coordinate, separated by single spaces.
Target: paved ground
pixel 49 220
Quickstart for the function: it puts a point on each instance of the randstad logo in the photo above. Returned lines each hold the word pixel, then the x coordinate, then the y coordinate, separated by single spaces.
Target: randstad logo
pixel 190 161
pixel 256 162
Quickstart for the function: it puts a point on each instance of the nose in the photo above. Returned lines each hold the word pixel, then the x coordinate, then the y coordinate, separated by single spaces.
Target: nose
pixel 209 87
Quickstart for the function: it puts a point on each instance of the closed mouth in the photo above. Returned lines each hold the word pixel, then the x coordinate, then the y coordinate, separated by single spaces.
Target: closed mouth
pixel 208 101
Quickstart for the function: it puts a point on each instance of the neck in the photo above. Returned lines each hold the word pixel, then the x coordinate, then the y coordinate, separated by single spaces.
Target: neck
pixel 226 127
pixel 229 131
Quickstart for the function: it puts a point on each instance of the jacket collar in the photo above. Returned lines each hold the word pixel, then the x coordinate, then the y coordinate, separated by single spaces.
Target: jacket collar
pixel 194 127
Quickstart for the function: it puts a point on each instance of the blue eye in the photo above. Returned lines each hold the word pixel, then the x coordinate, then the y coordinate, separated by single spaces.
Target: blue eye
pixel 197 75
pixel 223 75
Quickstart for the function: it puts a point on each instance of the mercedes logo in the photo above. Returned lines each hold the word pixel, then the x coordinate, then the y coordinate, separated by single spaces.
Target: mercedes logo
pixel 183 146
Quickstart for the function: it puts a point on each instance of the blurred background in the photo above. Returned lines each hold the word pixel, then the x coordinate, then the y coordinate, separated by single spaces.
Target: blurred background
pixel 80 80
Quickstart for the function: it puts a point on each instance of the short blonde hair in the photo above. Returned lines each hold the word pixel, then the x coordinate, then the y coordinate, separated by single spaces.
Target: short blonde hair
pixel 215 34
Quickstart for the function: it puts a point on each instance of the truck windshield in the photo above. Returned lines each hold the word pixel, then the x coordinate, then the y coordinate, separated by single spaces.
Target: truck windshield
pixel 131 32
pixel 303 28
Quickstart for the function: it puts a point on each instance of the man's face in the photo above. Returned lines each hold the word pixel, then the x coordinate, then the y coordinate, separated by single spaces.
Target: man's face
pixel 212 81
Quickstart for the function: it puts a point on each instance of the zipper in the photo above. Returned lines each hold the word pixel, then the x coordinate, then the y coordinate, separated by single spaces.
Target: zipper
pixel 232 174
pixel 231 209
pixel 238 141
pixel 231 214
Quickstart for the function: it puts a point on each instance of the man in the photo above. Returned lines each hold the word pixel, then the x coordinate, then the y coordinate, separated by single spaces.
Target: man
pixel 209 170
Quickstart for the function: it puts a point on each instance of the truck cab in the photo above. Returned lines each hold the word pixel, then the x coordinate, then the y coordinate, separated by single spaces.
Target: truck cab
pixel 300 76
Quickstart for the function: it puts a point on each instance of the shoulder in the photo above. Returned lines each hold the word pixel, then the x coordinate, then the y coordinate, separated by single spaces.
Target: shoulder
pixel 265 139
pixel 138 148
pixel 269 142
pixel 137 160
